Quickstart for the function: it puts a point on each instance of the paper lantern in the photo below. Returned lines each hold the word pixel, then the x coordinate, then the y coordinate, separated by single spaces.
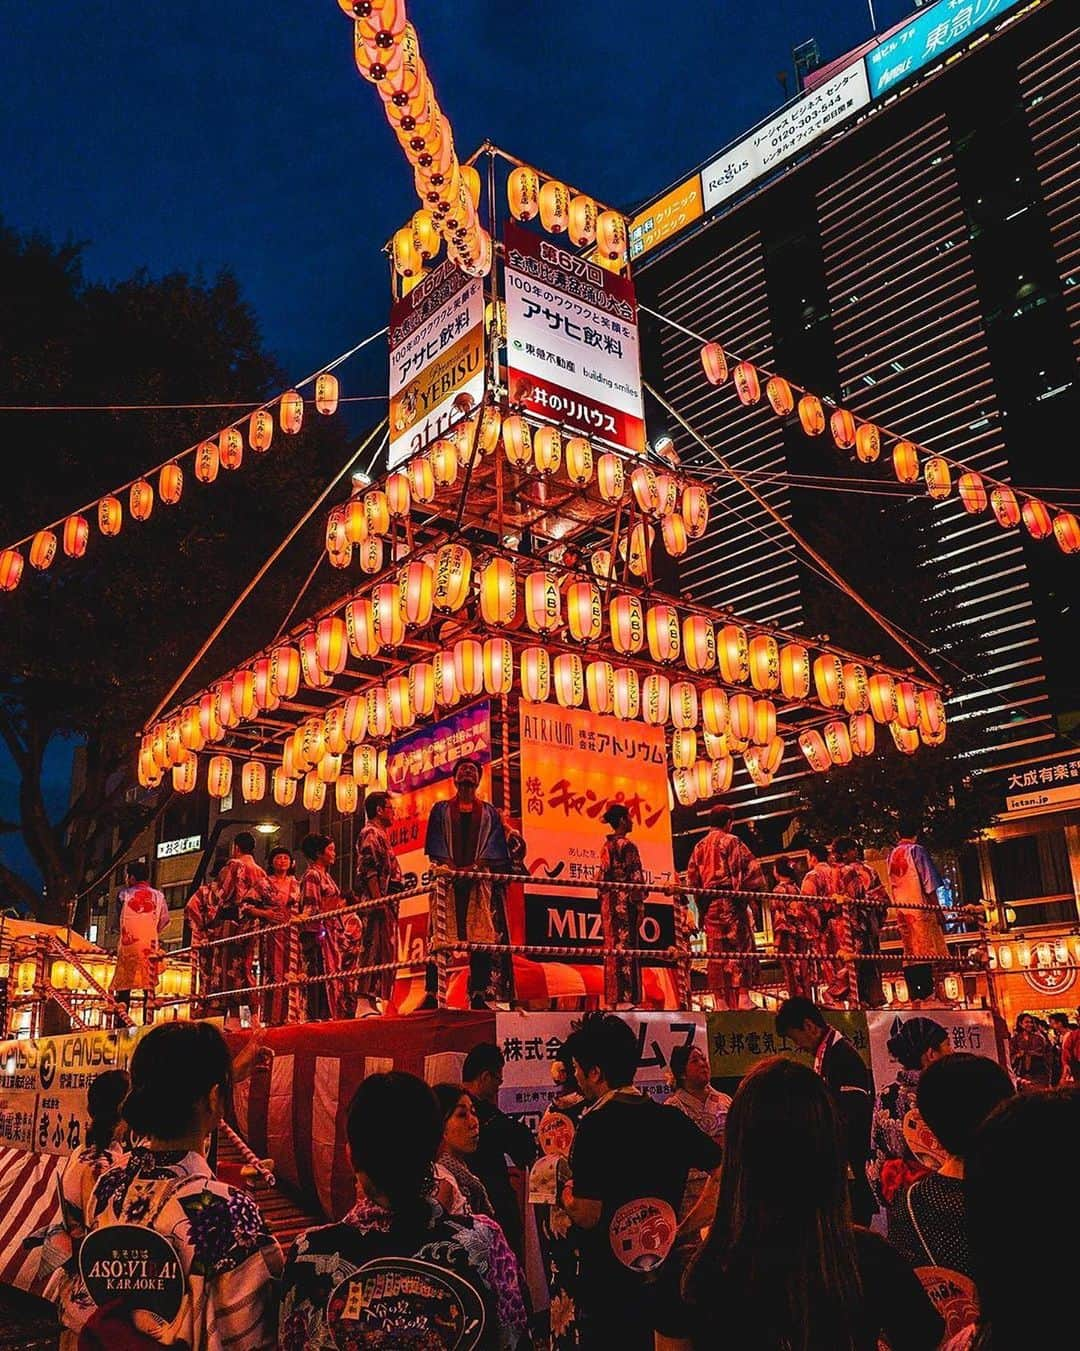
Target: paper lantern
pixel 721 772
pixel 842 426
pixel 291 412
pixel 794 671
pixel 733 653
pixel 333 644
pixel 326 393
pixel 655 699
pixel 378 712
pixel 209 722
pixel 741 716
pixel 498 666
pixel 76 536
pixel 905 458
pixel 377 512
pixel 938 478
pixel 584 615
pixel 185 774
pixel 228 713
pixel 219 776
pixel 253 781
pixel 867 442
pixel 714 363
pixel 683 749
pixel 170 484
pixel 399 702
pixel 639 547
pixel 360 628
pixel 535 675
pixel 230 448
pixel 346 794
pixel 771 754
pixel 243 693
pixel 600 563
pixel 811 415
pixel 837 742
pixel 780 396
pixel 523 193
pixel 444 463
pixel 972 492
pixel 862 734
pixel 416 592
pixel 829 680
pixel 754 759
pixel 487 435
pixel 747 385
pixel 579 460
pixel 1035 516
pixel 365 765
pixel 446 690
pixel 626 702
pixel 314 792
pixel 1067 532
pixel 695 510
pixel 517 440
pixel 543 603
pixel 453 575
pixel 627 624
pixel 404 254
pixel 600 686
pixel 881 689
pixel 610 478
pixel 699 643
pixel 110 515
pixel 662 632
pixel 611 237
pixel 813 747
pixel 354 721
pixel 666 492
pixel 421 479
pixel 684 704
pixel 932 738
pixel 684 787
pixel 907 704
pixel 311 671
pixel 673 533
pixel 763 655
pixel 498 597
pixel 930 713
pixel 309 744
pixel 141 500
pixel 581 220
pixel 554 202
pixel 905 739
pixel 569 680
pixel 191 733
pixel 260 430
pixel 856 687
pixel 468 655
pixel 547 449
pixel 763 727
pixel 337 528
pixel 398 495
pixel 207 462
pixel 714 711
pixel 716 747
pixel 42 550
pixel 337 740
pixel 643 486
pixel 386 615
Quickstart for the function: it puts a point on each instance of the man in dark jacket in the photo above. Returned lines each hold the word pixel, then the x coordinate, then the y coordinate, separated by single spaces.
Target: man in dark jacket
pixel 481 1076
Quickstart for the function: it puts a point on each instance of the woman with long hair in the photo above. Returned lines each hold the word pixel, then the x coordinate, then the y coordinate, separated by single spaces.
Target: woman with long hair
pixel 461 1137
pixel 783 1267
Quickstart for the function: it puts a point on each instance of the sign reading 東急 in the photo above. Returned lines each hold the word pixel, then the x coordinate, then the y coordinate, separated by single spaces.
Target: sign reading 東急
pixel 928 37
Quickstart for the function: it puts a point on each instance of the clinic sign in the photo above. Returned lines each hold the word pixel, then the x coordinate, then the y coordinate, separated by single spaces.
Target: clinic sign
pixel 930 36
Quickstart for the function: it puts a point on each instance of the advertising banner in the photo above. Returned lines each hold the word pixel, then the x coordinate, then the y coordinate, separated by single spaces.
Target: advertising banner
pixel 928 37
pixel 785 135
pixel 572 341
pixel 666 217
pixel 436 358
pixel 738 1041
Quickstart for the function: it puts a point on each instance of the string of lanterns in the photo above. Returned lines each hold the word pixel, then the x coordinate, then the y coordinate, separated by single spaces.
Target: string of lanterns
pixel 387 54
pixel 562 211
pixel 909 459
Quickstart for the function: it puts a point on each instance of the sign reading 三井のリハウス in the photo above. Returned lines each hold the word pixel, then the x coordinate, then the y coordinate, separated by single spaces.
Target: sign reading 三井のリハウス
pixel 572 341
pixel 436 358
pixel 929 36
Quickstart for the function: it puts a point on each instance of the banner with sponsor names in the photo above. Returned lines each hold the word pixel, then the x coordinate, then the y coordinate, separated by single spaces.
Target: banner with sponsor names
pixel 928 37
pixel 738 1041
pixel 436 358
pixel 572 341
pixel 666 217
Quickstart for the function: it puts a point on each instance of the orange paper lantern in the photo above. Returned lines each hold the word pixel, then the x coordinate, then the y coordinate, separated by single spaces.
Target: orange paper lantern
pixel 842 426
pixel 699 643
pixel 655 699
pixel 219 776
pixel 600 685
pixel 662 631
pixel 714 363
pixel 230 448
pixel 811 415
pixel 543 603
pixel 141 500
pixel 733 653
pixel 764 658
pixel 881 689
pixel 627 695
pixel 829 680
pixel 76 536
pixel 867 442
pixel 938 478
pixel 498 666
pixel 780 396
pixel 171 484
pixel 1035 517
pixel 794 671
pixel 110 515
pixel 535 675
pixel 42 550
pixel 260 430
pixel 253 781
pixel 714 711
pixel 569 680
pixel 972 492
pixel 326 393
pixel 291 412
pixel 905 458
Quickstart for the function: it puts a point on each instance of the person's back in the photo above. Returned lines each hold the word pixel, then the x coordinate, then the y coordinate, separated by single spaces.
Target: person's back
pixel 499 1136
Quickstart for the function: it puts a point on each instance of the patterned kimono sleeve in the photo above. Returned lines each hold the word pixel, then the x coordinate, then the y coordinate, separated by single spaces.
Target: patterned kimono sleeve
pixel 753 879
pixel 242 1308
pixel 502 1276
pixel 371 863
pixel 634 871
pixel 693 868
pixel 302 1323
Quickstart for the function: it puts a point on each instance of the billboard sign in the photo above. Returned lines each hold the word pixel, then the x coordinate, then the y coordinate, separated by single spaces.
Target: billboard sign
pixel 673 212
pixel 930 35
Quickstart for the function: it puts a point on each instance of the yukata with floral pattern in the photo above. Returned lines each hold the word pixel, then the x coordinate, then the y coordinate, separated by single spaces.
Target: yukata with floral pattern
pixel 229 1259
pixel 860 883
pixel 339 938
pixel 797 926
pixel 282 956
pixel 722 860
pixel 620 913
pixel 240 879
pixel 821 887
pixel 472 1247
pixel 60 1244
pixel 378 874
pixel 201 912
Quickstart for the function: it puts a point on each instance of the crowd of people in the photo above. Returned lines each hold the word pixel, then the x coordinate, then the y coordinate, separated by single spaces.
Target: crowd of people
pixel 703 1221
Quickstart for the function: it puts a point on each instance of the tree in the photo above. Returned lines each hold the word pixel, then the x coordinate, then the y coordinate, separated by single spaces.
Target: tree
pixel 91 646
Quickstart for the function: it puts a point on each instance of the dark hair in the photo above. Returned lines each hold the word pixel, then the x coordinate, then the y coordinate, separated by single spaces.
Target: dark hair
pixel 373 804
pixel 784 867
pixel 448 1095
pixel 910 1040
pixel 244 841
pixel 956 1094
pixel 1062 1018
pixel 485 1055
pixel 794 1012
pixel 313 845
pixel 466 760
pixel 616 815
pixel 104 1098
pixel 909 826
pixel 844 844
pixel 394 1128
pixel 274 853
pixel 819 850
pixel 139 870
pixel 680 1058
pixel 1009 1218
pixel 722 816
pixel 174 1067
pixel 783 1235
pixel 605 1043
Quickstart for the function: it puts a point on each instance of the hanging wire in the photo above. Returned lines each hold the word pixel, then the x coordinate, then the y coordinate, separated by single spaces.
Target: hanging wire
pixel 250 405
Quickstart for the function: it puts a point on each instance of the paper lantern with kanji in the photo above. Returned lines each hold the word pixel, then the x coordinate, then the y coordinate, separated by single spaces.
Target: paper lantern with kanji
pixel 209 722
pixel 453 575
pixel 763 655
pixel 699 643
pixel 534 674
pixel 938 478
pixel 337 741
pixel 386 614
pixel 867 442
pixel 662 632
pixel 398 494
pixel 584 614
pixel 444 462
pixel 371 555
pixel 579 460
pixel 338 536
pixel 185 774
pixel 378 712
pixel 837 742
pixel 930 712
pixel 332 647
pixel 714 363
pixel 283 788
pixel 446 690
pixel 905 458
pixel 42 550
pixel 655 699
pixel 600 562
pixel 856 687
pixel 498 666
pixel 780 396
pixel 243 693
pixel 907 704
pixel 230 448
pixel 813 747
pixel 291 412
pixel 547 449
pixel 1036 518
pixel 314 791
pixel 517 440
pixel 171 484
pixel 695 510
pixel 228 713
pixel 355 720
pixel 207 461
pixel 420 689
pixel 469 666
pixel 253 781
pixel 611 240
pixel 972 492
pixel 399 702
pixel 498 594
pixel 581 220
pixel 684 786
pixel 365 765
pixel 627 622
pixel 1067 532
pixel 311 671
pixel 1005 507
pixel 346 794
pixel 733 653
pixel 673 533
pixel 715 711
pixel 763 728
pixel 141 500
pixel 309 743
pixel 683 749
pixel 600 686
pixel 794 671
pixel 326 393
pixel 376 512
pixel 684 704
pixel 404 254
pixel 569 679
pixel 638 546
pixel 862 733
pixel 716 747
pixel 76 536
pixel 416 591
pixel 421 479
pixel 610 477
pixel 158 746
pixel 721 772
pixel 829 680
pixel 523 193
pixel 360 628
pixel 626 701
pixel 703 778
pixel 754 758
pixel 191 733
pixel 110 515
pixel 489 428
pixel 905 739
pixel 811 415
pixel 747 385
pixel 554 202
pixel 741 716
pixel 643 486
pixel 543 602
pixel 175 751
pixel 260 430
pixel 842 426
pixel 219 776
pixel 881 689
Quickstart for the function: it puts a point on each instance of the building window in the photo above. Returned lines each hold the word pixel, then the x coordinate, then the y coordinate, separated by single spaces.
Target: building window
pixel 1031 878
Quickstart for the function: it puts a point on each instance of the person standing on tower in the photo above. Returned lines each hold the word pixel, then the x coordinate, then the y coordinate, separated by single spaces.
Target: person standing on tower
pixel 720 860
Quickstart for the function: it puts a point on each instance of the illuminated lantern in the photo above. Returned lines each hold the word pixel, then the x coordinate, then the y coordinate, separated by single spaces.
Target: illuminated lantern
pixel 360 628
pixel 569 680
pixel 209 722
pixel 867 442
pixel 794 671
pixel 399 702
pixel 862 733
pixel 666 491
pixel 842 426
pixel 404 253
pixel 446 690
pixel 600 685
pixel 714 711
pixel 811 415
pixel 747 385
pixel 184 775
pixel 741 716
pixel 378 712
pixel 907 704
pixel 219 776
pixel 611 237
pixel 291 412
pixel 1035 515
pixel 346 525
pixel 334 725
pixel 170 484
pixel 175 753
pixel 771 754
pixel 754 759
pixel 906 739
pixel 453 574
pixel 763 729
pixel 346 794
pixel 191 733
pixel 673 533
pixel 627 694
pixel 354 722
pixel 260 430
pixel 683 749
pixel 882 691
pixel 627 624
pixel 733 653
pixel 610 478
pixel 498 597
pixel 517 440
pixel 763 655
pixel 714 363
pixel 141 500
pixel 42 550
pixel 932 738
pixel 703 778
pixel 398 496
pixel 643 484
pixel 230 448
pixel 601 563
pixel 581 220
pixel 487 436
pixel 76 536
pixel 416 591
pixel 938 478
pixel 311 672
pixel 905 460
pixel 829 680
pixel 326 393
pixel 332 644
pixel 468 654
pixel 523 193
pixel 655 699
pixel 579 460
pixel 856 687
pixel 444 463
pixel 243 693
pixel 837 742
pixel 695 510
pixel 683 782
pixel 716 747
pixel 228 713
pixel 253 781
pixel 662 631
pixel 498 666
pixel 584 617
pixel 813 747
pixel 421 479
pixel 554 201
pixel 365 763
pixel 640 545
pixel 721 771
pixel 972 492
pixel 535 675
pixel 931 713
pixel 386 615
pixel 543 603
pixel 780 396
pixel 377 512
pixel 684 704
pixel 1067 532
pixel 314 792
pixel 547 449
pixel 699 643
pixel 158 746
pixel 206 462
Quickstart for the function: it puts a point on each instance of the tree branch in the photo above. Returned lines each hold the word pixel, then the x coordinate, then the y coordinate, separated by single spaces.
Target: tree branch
pixel 20 886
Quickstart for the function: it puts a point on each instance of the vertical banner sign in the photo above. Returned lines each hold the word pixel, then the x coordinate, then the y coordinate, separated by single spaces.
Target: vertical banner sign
pixel 572 341
pixel 436 358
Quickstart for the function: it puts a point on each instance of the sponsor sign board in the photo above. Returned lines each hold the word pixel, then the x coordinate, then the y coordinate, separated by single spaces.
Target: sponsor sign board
pixel 662 219
pixel 929 36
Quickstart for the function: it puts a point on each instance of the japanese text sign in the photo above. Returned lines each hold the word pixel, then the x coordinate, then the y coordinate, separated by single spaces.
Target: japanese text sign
pixel 666 217
pixel 738 1041
pixel 929 36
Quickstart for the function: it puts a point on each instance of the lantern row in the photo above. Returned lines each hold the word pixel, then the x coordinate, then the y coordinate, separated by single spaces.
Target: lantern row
pixel 865 438
pixel 386 50
pixel 226 451
pixel 561 211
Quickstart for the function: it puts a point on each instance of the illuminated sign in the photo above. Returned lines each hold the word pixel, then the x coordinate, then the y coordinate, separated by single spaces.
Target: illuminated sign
pixel 928 37
pixel 666 217
pixel 170 848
